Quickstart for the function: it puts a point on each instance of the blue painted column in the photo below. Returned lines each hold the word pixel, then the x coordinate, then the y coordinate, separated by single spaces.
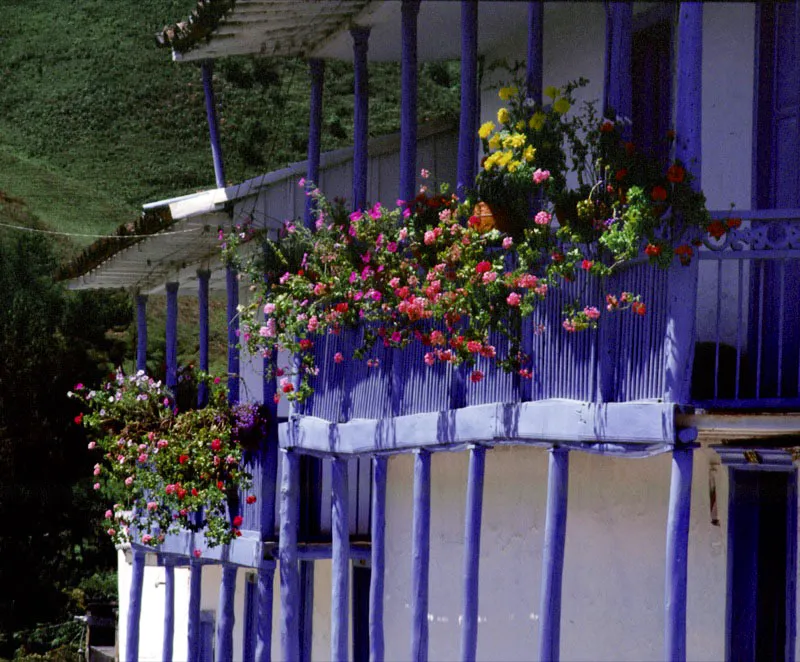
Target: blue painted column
pixel 317 70
pixel 360 116
pixel 420 555
pixel 467 138
pixel 195 589
pixel 472 552
pixel 409 11
pixel 135 607
pixel 141 332
pixel 203 276
pixel 287 555
pixel 340 559
pixel 553 555
pixel 680 501
pixel 223 648
pixel 533 74
pixel 618 86
pixel 172 336
pixel 269 469
pixel 207 68
pixel 232 286
pixel 378 557
pixel 169 611
pixel 682 292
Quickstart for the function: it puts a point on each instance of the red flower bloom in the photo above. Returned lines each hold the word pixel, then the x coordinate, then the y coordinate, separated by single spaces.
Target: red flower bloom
pixel 684 253
pixel 639 308
pixel 659 193
pixel 716 229
pixel 194 491
pixel 587 264
pixel 216 445
pixel 476 376
pixel 237 521
pixel 220 485
pixel 288 387
pixel 621 174
pixel 342 308
pixel 676 174
pixel 652 250
pixel 78 419
pixel 250 499
pixel 237 533
pixel 483 267
pixel 734 223
pixel 182 459
pixel 306 344
pixel 557 257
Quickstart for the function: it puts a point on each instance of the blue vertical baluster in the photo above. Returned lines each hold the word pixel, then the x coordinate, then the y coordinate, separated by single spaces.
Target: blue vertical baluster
pixel 232 285
pixel 225 615
pixel 203 276
pixel 264 591
pixel 408 99
pixel 472 552
pixel 680 499
pixel 135 607
pixel 172 337
pixel 467 140
pixel 287 555
pixel 195 589
pixel 213 129
pixel 420 555
pixel 553 554
pixel 141 332
pixel 360 116
pixel 682 297
pixel 317 70
pixel 340 558
pixel 376 643
pixel 169 610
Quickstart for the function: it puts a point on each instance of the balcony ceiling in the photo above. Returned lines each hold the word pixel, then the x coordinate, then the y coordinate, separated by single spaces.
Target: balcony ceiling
pixel 221 28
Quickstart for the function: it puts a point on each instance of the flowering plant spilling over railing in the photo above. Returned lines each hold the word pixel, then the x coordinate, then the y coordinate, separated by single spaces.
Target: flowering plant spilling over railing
pixel 173 469
pixel 451 274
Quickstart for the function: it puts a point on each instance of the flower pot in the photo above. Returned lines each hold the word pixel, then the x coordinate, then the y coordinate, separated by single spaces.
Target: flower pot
pixel 493 217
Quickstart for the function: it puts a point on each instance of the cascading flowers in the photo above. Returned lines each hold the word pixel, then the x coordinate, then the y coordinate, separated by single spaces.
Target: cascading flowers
pixel 433 271
pixel 168 469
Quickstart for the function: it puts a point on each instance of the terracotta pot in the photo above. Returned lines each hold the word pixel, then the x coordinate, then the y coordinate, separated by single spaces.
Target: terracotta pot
pixel 492 217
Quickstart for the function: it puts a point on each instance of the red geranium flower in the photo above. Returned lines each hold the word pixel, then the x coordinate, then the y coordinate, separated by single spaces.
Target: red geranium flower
pixel 652 250
pixel 237 521
pixel 78 419
pixel 182 459
pixel 342 308
pixel 621 173
pixel 716 229
pixel 676 174
pixel 734 223
pixel 659 193
pixel 483 267
pixel 306 344
pixel 250 499
pixel 220 485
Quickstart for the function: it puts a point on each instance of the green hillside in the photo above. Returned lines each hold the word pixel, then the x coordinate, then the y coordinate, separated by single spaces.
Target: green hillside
pixel 95 119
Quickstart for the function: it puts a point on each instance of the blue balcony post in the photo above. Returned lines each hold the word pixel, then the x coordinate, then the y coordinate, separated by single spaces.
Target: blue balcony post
pixel 682 293
pixel 533 78
pixel 169 610
pixel 225 615
pixel 195 589
pixel 135 607
pixel 203 276
pixel 317 70
pixel 378 558
pixel 618 81
pixel 467 139
pixel 340 557
pixel 472 552
pixel 172 336
pixel 553 554
pixel 680 500
pixel 420 555
pixel 409 11
pixel 141 332
pixel 207 68
pixel 232 285
pixel 360 116
pixel 287 555
pixel 269 469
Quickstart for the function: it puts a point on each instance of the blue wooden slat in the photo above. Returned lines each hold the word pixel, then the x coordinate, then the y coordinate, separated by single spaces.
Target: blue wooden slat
pixel 317 71
pixel 141 332
pixel 250 620
pixel 420 556
pixel 203 276
pixel 553 554
pixel 232 287
pixel 225 615
pixel 340 534
pixel 376 641
pixel 618 58
pixel 135 607
pixel 169 611
pixel 533 78
pixel 467 142
pixel 472 552
pixel 263 652
pixel 360 116
pixel 213 129
pixel 408 99
pixel 195 588
pixel 172 336
pixel 287 553
pixel 680 497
